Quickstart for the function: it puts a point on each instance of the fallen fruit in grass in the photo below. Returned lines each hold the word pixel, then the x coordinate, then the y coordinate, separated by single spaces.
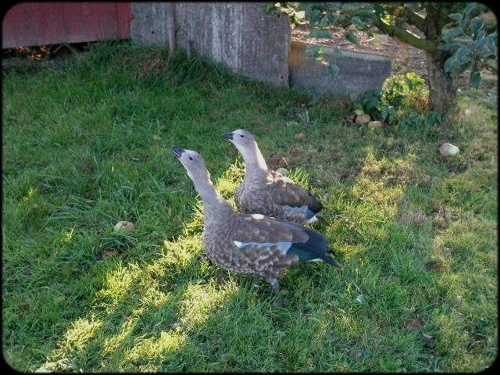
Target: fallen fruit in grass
pixel 282 171
pixel 447 149
pixel 363 119
pixel 413 324
pixel 374 124
pixel 124 226
pixel 428 340
pixel 359 112
pixel 299 136
pixel 60 299
pixel 434 265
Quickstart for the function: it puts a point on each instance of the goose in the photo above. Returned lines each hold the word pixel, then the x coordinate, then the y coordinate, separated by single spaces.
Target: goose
pixel 267 192
pixel 249 243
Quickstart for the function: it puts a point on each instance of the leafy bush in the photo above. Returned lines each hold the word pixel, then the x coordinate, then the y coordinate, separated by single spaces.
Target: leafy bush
pixel 457 36
pixel 402 100
pixel 406 91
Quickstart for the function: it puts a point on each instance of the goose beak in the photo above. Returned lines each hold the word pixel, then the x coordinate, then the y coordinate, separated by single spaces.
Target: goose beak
pixel 228 135
pixel 177 151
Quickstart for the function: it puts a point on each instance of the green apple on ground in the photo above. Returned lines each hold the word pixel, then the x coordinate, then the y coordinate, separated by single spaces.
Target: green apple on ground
pixel 447 149
pixel 124 226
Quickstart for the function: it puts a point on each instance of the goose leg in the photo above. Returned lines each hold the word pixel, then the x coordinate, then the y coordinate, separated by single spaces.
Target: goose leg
pixel 256 280
pixel 275 286
pixel 280 302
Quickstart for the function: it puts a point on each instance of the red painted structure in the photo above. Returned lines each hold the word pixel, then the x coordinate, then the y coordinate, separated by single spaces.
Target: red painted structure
pixel 34 24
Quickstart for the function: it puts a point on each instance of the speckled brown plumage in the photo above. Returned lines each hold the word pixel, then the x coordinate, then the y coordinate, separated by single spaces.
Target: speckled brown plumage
pixel 223 226
pixel 267 192
pixel 249 243
pixel 269 195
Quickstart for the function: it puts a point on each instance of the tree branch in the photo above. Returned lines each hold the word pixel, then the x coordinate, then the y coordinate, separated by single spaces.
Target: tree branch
pixel 406 36
pixel 413 18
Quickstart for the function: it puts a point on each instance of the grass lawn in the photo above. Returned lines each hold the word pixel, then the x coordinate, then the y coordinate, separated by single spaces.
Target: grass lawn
pixel 87 143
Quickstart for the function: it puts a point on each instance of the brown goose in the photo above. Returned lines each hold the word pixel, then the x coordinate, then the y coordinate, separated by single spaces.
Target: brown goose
pixel 268 192
pixel 249 243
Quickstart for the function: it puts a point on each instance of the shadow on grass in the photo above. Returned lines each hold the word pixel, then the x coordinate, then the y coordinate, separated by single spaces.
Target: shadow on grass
pixel 177 312
pixel 145 311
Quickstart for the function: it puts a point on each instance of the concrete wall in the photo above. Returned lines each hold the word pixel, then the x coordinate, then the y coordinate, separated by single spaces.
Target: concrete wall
pixel 248 42
pixel 357 73
pixel 152 23
pixel 239 35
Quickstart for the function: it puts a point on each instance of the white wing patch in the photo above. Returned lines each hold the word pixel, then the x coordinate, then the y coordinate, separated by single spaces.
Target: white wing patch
pixel 284 246
pixel 312 220
pixel 258 216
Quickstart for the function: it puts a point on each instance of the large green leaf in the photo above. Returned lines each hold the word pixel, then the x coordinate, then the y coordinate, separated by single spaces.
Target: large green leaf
pixel 451 63
pixel 476 25
pixel 315 52
pixel 475 79
pixel 333 69
pixel 320 34
pixel 456 16
pixel 351 37
pixel 453 46
pixel 449 34
pixel 470 8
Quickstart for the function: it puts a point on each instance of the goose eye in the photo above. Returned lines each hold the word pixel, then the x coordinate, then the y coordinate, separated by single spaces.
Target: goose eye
pixel 241 135
pixel 190 158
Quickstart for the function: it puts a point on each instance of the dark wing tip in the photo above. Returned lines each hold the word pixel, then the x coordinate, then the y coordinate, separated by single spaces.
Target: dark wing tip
pixel 315 205
pixel 336 264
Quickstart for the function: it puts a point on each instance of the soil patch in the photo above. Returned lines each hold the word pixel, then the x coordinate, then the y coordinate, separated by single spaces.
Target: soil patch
pixel 405 58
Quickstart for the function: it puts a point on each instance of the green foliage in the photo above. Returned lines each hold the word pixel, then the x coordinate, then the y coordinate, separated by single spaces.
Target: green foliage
pixel 468 41
pixel 320 34
pixel 402 100
pixel 470 44
pixel 406 91
pixel 410 117
pixel 370 101
pixel 315 52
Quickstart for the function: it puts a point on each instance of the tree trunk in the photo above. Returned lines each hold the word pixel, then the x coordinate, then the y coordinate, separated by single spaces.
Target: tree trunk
pixel 442 88
pixel 442 85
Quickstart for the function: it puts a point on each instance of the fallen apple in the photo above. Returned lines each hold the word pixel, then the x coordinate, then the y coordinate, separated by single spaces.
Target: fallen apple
pixel 299 136
pixel 124 226
pixel 282 171
pixel 374 124
pixel 362 119
pixel 447 149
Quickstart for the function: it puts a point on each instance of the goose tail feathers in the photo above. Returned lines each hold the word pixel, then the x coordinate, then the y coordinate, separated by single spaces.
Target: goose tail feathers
pixel 330 260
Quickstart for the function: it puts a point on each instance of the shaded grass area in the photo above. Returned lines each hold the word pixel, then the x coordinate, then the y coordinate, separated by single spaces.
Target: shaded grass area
pixel 86 144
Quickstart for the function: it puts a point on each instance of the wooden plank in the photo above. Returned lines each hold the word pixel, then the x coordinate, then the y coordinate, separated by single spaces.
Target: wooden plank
pixel 30 24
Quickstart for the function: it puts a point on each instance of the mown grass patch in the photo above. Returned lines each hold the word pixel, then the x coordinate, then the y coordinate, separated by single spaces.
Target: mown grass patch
pixel 86 144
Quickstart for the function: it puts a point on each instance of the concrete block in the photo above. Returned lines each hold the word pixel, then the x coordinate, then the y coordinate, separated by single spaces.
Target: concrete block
pixel 239 35
pixel 152 23
pixel 358 72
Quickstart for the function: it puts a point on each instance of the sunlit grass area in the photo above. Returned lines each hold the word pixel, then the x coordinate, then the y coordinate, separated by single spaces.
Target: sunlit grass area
pixel 86 144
